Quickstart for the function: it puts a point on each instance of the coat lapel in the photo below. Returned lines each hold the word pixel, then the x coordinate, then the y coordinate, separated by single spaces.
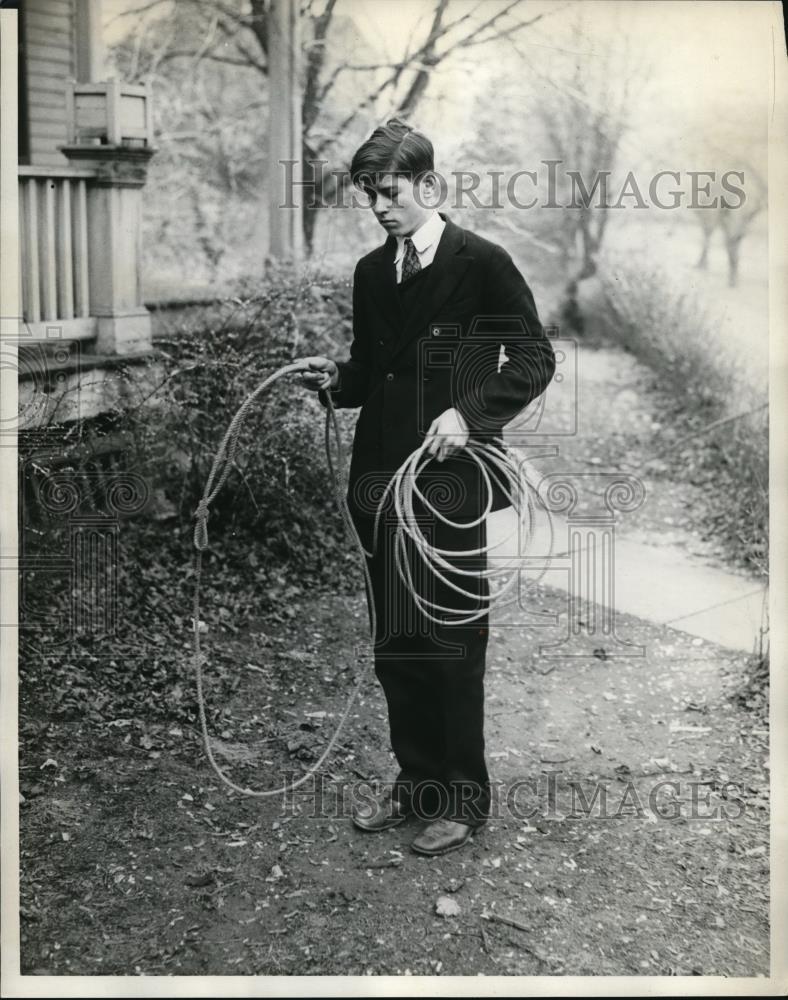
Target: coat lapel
pixel 382 277
pixel 439 281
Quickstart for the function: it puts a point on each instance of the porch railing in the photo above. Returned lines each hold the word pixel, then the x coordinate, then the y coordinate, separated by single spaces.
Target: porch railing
pixel 54 246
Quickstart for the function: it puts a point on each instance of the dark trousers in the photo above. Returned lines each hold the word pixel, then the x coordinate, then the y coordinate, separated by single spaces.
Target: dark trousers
pixel 433 674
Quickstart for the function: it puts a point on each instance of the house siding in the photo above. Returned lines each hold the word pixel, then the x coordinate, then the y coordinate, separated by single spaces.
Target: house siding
pixel 50 61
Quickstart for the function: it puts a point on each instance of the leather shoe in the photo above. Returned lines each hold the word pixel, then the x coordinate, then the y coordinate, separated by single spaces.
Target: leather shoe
pixel 380 814
pixel 442 836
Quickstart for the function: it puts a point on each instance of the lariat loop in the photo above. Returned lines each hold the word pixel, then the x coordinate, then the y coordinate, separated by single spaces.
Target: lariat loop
pixel 507 468
pixel 220 470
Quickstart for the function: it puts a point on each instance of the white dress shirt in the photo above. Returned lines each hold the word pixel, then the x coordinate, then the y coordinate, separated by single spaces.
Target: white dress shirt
pixel 425 240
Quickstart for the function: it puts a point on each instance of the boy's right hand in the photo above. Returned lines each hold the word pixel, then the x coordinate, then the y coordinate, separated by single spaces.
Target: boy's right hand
pixel 322 374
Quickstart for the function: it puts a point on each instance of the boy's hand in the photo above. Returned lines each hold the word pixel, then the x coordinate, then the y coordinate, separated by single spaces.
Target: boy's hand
pixel 447 434
pixel 322 374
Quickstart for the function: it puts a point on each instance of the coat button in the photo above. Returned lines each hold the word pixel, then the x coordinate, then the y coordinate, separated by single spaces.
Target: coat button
pixel 436 331
pixel 390 376
pixel 381 342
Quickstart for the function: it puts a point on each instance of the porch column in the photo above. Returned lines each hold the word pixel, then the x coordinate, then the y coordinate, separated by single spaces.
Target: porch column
pixel 90 44
pixel 114 206
pixel 284 131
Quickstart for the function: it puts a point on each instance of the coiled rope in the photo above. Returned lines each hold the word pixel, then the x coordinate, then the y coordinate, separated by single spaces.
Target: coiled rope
pixel 512 474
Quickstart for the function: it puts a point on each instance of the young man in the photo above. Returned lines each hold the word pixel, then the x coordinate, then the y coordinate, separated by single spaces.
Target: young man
pixel 431 308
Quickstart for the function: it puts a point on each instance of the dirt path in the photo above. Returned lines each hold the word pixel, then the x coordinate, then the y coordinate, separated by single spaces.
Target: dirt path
pixel 629 837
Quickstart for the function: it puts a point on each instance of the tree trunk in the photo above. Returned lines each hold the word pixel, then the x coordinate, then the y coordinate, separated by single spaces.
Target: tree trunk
pixel 570 315
pixel 733 245
pixel 320 191
pixel 313 196
pixel 703 260
pixel 590 251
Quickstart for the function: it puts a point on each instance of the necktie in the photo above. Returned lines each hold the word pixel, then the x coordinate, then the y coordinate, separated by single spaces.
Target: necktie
pixel 410 264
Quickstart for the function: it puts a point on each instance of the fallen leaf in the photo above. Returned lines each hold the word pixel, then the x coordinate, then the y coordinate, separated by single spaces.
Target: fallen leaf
pixel 447 907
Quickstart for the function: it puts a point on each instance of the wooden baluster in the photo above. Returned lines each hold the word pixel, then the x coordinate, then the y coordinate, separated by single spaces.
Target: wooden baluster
pixel 48 267
pixel 80 255
pixel 32 280
pixel 65 270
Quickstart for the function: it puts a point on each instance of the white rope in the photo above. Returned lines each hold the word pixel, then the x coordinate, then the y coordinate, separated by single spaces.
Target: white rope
pixel 513 476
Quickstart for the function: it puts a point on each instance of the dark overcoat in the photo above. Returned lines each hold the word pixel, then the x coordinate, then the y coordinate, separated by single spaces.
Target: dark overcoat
pixel 406 368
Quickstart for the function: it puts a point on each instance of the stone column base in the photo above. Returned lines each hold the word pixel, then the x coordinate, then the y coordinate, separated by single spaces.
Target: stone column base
pixel 124 333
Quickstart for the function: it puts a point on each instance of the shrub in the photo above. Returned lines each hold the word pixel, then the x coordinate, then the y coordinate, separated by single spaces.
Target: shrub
pixel 275 531
pixel 279 497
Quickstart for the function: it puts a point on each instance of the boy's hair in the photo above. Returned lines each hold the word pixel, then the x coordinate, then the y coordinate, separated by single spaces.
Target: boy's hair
pixel 393 148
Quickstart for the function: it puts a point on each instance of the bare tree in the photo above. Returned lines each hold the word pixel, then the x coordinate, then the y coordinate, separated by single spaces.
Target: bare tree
pixel 236 33
pixel 729 149
pixel 585 112
pixel 736 222
pixel 733 216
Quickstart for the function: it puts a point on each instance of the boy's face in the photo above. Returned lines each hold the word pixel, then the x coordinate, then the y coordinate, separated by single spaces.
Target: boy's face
pixel 400 206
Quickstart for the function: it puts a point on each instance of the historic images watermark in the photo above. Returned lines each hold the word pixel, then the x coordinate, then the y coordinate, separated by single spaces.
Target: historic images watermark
pixel 551 185
pixel 547 796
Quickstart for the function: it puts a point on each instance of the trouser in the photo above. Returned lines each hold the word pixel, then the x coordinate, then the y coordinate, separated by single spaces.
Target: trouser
pixel 433 674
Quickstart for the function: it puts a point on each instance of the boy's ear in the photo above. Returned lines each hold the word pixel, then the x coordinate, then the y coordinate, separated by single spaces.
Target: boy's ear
pixel 431 190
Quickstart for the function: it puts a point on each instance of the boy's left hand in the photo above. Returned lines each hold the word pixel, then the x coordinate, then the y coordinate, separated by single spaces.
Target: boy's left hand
pixel 447 434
